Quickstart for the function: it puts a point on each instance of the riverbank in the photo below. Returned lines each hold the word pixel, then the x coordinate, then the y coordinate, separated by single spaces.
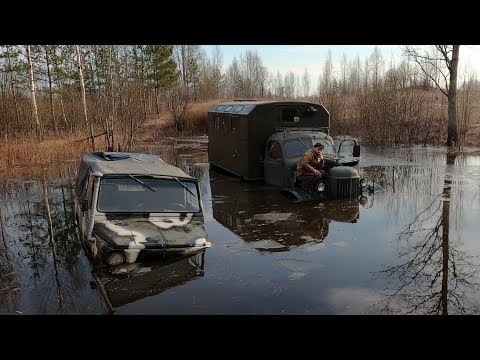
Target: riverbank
pixel 23 156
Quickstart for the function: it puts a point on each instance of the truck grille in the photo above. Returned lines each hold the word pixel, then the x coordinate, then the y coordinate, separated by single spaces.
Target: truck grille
pixel 347 188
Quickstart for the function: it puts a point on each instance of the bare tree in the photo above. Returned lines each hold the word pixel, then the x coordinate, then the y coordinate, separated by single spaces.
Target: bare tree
pixel 84 100
pixel 178 104
pixel 466 105
pixel 343 70
pixel 32 90
pixel 52 108
pixel 289 83
pixel 326 85
pixel 279 89
pixel 188 58
pixel 376 63
pixel 253 74
pixel 235 81
pixel 433 62
pixel 306 83
pixel 212 81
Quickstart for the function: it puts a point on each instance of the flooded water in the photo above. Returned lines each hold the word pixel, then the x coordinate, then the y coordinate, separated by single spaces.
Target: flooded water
pixel 412 248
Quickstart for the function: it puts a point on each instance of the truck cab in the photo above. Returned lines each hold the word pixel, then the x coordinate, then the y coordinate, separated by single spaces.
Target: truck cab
pixel 285 147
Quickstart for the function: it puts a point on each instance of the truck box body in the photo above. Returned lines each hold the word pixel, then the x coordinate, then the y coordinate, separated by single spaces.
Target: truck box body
pixel 238 131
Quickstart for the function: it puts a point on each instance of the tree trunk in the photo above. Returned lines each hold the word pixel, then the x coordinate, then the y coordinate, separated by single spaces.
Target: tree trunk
pixel 13 88
pixel 32 90
pixel 452 137
pixel 84 100
pixel 50 90
pixel 111 136
pixel 157 107
pixel 63 111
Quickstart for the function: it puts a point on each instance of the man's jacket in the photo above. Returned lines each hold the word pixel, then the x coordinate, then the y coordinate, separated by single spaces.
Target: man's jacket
pixel 308 162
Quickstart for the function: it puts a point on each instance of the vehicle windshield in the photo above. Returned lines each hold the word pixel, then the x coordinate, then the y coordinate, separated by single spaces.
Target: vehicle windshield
pixel 147 194
pixel 296 147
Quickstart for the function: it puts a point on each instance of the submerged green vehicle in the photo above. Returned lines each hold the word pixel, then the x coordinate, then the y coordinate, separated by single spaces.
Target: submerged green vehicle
pixel 132 206
pixel 263 140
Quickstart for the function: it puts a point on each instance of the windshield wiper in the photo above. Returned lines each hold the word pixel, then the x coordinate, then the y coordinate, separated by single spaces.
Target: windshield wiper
pixel 302 142
pixel 184 186
pixel 140 182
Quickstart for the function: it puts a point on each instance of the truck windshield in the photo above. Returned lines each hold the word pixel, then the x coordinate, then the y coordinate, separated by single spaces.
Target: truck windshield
pixel 140 194
pixel 296 147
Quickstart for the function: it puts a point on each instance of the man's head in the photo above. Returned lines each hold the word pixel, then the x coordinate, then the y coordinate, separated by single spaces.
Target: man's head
pixel 318 147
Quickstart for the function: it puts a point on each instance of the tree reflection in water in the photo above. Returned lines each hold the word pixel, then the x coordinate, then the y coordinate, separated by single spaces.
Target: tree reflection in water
pixel 435 277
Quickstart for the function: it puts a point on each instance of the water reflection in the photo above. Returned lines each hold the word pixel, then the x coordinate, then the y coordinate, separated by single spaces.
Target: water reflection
pixel 419 237
pixel 266 220
pixel 133 282
pixel 41 268
pixel 180 152
pixel 434 275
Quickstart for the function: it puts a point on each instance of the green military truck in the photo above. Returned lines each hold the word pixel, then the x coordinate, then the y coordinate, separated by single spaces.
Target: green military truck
pixel 263 140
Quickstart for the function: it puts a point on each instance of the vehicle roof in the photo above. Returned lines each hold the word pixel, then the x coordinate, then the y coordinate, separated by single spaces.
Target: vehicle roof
pixel 109 163
pixel 129 163
pixel 244 107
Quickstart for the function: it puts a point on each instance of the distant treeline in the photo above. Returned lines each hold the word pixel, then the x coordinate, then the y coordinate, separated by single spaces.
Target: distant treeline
pixel 113 89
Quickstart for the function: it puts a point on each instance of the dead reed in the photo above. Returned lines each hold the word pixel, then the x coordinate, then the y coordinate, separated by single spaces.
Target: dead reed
pixel 21 155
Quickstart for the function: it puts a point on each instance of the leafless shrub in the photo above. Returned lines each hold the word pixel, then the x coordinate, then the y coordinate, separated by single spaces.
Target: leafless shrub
pixel 178 103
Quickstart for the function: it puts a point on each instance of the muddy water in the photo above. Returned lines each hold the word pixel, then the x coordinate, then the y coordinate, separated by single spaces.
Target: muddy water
pixel 411 248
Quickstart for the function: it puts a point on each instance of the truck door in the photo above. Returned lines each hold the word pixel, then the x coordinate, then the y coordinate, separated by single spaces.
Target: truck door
pixel 273 166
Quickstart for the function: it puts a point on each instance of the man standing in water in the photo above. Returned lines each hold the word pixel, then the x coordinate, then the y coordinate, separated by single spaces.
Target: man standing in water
pixel 310 166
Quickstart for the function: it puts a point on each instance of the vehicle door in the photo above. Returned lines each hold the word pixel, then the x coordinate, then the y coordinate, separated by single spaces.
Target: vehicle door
pixel 86 206
pixel 273 164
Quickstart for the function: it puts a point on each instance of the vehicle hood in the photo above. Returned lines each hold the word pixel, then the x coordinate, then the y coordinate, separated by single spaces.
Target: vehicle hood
pixel 166 230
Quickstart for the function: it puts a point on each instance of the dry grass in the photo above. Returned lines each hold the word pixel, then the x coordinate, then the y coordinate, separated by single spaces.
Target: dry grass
pixel 20 156
pixel 473 134
pixel 26 155
pixel 156 129
pixel 197 117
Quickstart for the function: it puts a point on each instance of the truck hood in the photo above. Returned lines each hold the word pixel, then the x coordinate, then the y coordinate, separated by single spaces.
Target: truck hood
pixel 138 232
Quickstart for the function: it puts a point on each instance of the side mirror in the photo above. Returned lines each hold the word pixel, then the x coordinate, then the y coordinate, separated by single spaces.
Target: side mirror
pixel 85 205
pixel 356 151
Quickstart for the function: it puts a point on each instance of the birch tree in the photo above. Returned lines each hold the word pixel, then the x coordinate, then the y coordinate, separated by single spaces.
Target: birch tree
pixel 48 50
pixel 84 100
pixel 12 67
pixel 32 90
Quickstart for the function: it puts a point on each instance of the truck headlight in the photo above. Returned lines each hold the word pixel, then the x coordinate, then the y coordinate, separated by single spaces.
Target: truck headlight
pixel 363 200
pixel 321 186
pixel 363 182
pixel 115 259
